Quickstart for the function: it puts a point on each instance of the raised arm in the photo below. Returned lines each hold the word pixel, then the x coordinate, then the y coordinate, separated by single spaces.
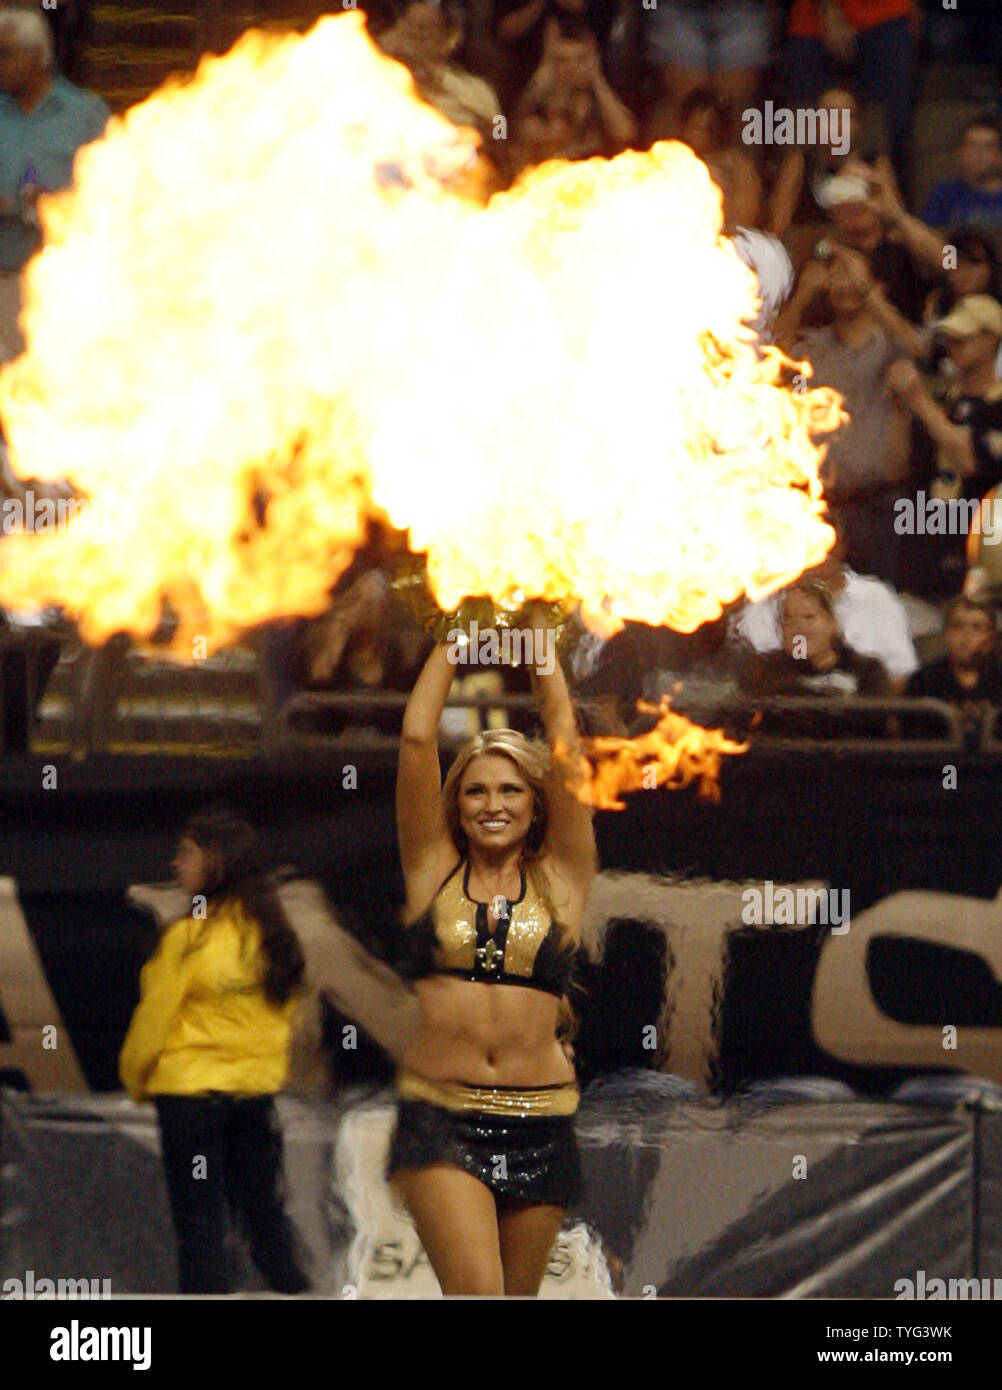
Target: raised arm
pixel 786 194
pixel 570 832
pixel 955 441
pixel 925 244
pixel 520 21
pixel 426 849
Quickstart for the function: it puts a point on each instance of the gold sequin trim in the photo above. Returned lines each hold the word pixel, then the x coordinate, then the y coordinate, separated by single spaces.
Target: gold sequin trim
pixel 492 1100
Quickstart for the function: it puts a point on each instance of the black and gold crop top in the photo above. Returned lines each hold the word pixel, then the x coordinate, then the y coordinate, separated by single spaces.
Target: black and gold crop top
pixel 452 937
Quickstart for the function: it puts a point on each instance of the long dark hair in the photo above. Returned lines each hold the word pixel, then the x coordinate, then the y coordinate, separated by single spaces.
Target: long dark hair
pixel 241 876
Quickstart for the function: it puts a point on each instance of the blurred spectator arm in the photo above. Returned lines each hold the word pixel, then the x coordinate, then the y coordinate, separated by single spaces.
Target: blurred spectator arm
pixel 359 607
pixel 925 244
pixel 955 441
pixel 897 455
pixel 786 193
pixel 837 34
pixel 896 326
pixel 617 118
pixel 812 278
pixel 518 23
pixel 891 320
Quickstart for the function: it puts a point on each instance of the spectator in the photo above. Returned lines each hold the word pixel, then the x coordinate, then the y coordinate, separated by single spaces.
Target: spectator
pixel 70 22
pixel 800 196
pixel 975 269
pixel 867 459
pixel 720 44
pixel 521 27
pixel 367 642
pixel 568 110
pixel 707 126
pixel 881 35
pixel 44 120
pixel 969 674
pixel 425 38
pixel 856 222
pixel 925 245
pixel 870 616
pixel 966 430
pixel 701 671
pixel 814 657
pixel 975 198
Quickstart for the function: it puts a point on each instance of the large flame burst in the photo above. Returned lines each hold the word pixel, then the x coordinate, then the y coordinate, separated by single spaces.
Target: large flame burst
pixel 275 301
pixel 272 302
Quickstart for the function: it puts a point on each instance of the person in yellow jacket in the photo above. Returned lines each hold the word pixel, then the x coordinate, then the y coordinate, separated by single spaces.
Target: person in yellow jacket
pixel 209 1045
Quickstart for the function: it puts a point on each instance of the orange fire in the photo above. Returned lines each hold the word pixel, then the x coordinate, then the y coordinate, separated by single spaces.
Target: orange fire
pixel 674 753
pixel 273 302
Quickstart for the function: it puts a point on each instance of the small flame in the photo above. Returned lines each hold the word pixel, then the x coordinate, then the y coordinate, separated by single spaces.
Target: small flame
pixel 674 754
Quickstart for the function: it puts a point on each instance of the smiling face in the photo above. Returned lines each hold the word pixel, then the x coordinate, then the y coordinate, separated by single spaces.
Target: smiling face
pixel 809 631
pixel 495 803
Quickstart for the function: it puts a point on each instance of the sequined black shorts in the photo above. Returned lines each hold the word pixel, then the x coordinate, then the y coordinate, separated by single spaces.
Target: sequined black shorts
pixel 524 1158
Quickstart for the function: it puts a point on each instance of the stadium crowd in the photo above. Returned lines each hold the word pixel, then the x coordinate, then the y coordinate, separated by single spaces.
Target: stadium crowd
pixel 894 301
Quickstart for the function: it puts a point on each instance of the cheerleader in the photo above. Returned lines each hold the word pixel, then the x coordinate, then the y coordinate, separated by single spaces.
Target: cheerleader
pixel 497 864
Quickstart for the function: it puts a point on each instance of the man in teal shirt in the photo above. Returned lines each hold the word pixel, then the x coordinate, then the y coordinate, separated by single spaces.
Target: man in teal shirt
pixel 44 120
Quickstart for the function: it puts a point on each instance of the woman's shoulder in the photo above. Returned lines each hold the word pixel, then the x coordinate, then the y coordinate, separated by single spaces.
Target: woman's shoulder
pixel 212 922
pixel 179 933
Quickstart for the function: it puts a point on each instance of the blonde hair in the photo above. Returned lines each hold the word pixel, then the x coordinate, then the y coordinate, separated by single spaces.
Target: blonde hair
pixel 532 758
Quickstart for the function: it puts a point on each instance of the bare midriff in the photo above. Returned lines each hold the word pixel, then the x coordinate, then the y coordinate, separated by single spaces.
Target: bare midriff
pixel 486 1034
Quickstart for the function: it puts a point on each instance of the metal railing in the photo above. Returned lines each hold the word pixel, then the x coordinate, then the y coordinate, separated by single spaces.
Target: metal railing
pixel 889 722
pixel 859 723
pixel 122 698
